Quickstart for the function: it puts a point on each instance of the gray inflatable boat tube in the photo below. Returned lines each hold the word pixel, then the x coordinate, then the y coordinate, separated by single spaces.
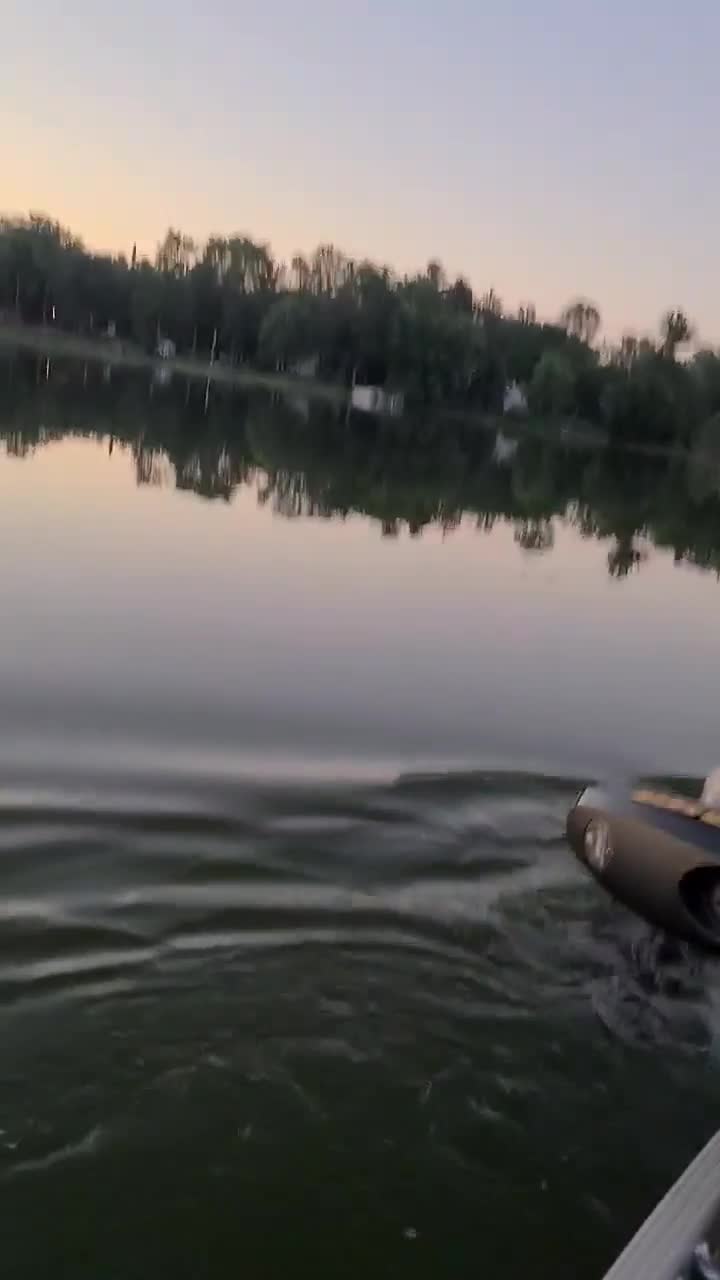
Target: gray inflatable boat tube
pixel 658 854
pixel 685 1220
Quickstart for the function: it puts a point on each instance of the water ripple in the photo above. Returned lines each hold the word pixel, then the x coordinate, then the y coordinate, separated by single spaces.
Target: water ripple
pixel 247 981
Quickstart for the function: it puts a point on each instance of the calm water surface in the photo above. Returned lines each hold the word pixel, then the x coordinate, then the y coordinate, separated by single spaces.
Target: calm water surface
pixel 296 973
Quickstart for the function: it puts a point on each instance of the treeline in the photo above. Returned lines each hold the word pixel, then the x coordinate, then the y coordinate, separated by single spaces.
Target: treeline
pixel 350 321
pixel 407 474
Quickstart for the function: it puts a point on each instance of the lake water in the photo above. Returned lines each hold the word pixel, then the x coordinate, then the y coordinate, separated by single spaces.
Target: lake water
pixel 296 972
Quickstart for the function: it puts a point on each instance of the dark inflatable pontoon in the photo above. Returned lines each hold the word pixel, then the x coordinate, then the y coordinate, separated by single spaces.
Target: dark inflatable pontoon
pixel 658 854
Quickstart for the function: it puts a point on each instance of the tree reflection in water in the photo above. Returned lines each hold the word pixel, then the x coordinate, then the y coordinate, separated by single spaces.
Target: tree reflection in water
pixel 407 475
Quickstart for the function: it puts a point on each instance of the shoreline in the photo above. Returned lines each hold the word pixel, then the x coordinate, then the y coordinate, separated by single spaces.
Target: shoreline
pixel 120 354
pixel 44 341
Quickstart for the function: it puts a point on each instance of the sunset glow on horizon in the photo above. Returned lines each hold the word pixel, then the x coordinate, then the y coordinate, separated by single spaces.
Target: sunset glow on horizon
pixel 544 150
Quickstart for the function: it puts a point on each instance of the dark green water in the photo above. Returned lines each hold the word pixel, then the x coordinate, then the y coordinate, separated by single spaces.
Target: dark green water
pixel 296 973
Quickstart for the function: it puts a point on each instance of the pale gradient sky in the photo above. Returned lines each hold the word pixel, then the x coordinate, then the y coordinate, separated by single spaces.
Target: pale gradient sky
pixel 545 147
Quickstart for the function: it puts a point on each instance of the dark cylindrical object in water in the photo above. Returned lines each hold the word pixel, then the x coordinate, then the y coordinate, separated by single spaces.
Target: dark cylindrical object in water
pixel 658 854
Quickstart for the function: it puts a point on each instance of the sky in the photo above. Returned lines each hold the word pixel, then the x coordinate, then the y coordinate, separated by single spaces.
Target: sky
pixel 546 148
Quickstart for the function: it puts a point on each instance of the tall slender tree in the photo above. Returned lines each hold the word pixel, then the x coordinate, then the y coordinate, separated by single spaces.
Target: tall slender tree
pixel 582 320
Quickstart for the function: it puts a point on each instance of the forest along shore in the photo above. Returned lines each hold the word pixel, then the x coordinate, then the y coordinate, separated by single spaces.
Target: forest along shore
pixel 330 323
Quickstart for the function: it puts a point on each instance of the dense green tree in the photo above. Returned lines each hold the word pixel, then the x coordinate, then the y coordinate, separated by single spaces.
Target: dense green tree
pixel 654 400
pixel 176 254
pixel 300 274
pixel 552 386
pixel 627 352
pixel 676 331
pixel 250 266
pixel 582 319
pixel 705 370
pixel 490 305
pixel 460 296
pixel 436 275
pixel 329 270
pixel 291 330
